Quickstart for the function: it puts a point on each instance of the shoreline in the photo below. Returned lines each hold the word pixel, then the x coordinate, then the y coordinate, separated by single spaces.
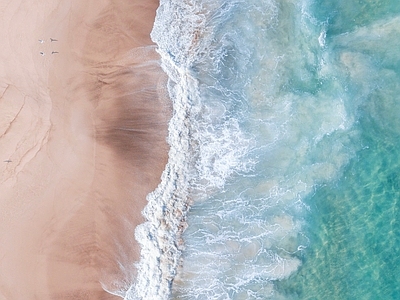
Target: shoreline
pixel 85 132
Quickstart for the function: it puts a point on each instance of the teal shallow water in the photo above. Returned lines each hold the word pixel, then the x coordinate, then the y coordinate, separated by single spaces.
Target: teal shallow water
pixel 354 229
pixel 354 224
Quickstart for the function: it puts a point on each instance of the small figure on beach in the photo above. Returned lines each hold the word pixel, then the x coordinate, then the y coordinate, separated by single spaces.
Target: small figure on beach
pixel 41 41
pixel 7 161
pixel 41 53
pixel 53 40
pixel 53 52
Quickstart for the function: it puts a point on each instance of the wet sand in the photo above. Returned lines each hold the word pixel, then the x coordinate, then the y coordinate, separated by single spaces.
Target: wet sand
pixel 83 129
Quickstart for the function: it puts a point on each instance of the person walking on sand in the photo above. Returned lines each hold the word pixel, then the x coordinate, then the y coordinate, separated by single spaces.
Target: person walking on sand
pixel 41 53
pixel 41 41
pixel 53 40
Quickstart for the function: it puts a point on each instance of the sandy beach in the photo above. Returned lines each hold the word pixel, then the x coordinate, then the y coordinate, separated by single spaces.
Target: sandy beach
pixel 83 126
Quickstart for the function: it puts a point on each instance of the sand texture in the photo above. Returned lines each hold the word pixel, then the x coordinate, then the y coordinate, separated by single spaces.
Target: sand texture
pixel 83 126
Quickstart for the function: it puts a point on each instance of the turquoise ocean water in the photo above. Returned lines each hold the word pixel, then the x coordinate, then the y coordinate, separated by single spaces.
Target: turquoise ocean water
pixel 285 144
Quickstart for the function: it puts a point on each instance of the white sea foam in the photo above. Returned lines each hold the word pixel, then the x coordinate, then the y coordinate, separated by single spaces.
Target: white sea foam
pixel 321 38
pixel 200 157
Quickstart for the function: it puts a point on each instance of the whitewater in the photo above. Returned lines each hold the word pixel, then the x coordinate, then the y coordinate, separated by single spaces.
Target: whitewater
pixel 283 162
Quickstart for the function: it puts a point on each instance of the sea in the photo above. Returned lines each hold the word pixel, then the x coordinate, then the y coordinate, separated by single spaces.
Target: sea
pixel 283 179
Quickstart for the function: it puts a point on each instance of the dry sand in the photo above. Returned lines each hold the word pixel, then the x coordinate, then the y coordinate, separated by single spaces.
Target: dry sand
pixel 82 142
